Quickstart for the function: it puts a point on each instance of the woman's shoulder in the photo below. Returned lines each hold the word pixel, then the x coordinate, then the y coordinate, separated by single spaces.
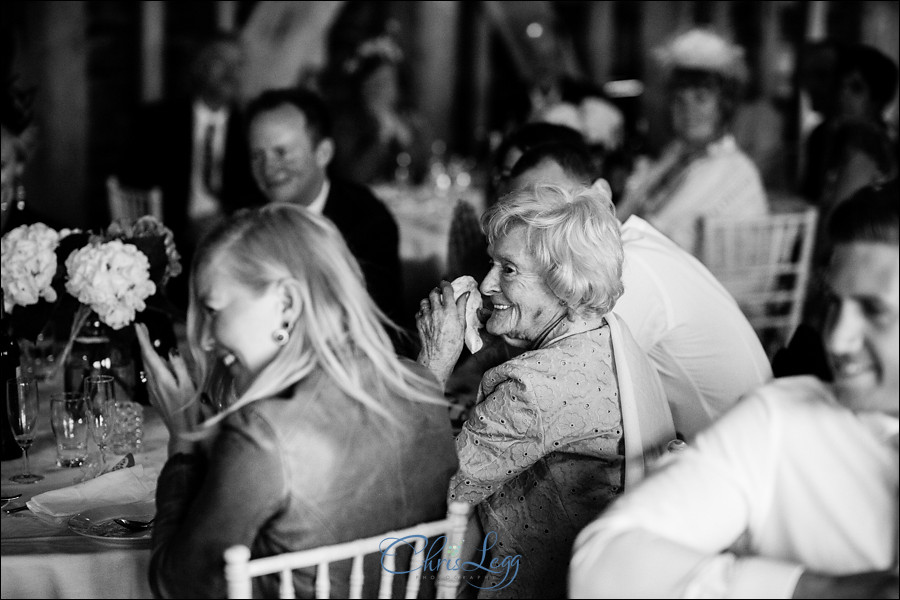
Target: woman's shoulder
pixel 544 365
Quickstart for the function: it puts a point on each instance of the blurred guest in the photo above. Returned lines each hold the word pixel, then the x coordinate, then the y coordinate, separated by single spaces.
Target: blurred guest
pixel 702 172
pixel 560 430
pixel 679 314
pixel 288 342
pixel 291 146
pixel 194 148
pixel 818 78
pixel 378 137
pixel 793 493
pixel 865 84
pixel 15 122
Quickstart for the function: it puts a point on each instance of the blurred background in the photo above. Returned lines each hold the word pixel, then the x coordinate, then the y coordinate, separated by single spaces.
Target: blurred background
pixel 470 70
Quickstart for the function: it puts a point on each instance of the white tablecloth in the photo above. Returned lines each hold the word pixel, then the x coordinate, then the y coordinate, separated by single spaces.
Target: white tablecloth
pixel 40 560
pixel 423 215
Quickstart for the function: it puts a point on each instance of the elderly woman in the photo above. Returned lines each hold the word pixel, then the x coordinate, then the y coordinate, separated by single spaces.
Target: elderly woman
pixel 326 435
pixel 702 172
pixel 559 430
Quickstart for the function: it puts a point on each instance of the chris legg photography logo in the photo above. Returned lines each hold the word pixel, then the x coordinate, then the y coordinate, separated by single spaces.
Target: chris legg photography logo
pixel 505 568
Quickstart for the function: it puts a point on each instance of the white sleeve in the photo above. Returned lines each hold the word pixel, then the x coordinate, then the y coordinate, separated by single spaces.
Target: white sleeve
pixel 670 535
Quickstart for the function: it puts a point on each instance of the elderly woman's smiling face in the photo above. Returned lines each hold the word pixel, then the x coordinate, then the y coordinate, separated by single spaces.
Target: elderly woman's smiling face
pixel 524 306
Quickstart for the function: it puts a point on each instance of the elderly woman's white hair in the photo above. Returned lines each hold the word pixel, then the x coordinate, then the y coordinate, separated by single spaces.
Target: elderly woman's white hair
pixel 574 237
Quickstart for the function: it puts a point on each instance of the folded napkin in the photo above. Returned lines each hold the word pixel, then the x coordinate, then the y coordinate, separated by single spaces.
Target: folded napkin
pixel 135 484
pixel 461 285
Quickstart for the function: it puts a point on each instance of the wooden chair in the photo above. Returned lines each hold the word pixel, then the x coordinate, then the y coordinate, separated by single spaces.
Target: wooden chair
pixel 240 569
pixel 764 262
pixel 131 203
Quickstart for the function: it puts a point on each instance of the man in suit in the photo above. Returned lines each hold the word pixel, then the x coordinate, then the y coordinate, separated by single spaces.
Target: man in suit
pixel 194 148
pixel 289 132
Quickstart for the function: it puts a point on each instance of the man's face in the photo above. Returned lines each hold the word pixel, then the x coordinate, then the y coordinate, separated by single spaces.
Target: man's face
pixel 862 336
pixel 287 165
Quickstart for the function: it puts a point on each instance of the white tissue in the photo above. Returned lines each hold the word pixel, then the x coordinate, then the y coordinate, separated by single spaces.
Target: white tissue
pixel 461 285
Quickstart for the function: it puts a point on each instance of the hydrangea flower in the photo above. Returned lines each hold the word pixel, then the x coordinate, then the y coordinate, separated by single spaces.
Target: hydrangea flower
pixel 28 265
pixel 113 278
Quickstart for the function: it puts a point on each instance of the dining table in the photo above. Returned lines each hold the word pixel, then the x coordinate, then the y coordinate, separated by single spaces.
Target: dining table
pixel 45 558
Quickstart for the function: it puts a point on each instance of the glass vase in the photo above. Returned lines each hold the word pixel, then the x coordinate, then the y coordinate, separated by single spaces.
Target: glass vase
pixel 99 350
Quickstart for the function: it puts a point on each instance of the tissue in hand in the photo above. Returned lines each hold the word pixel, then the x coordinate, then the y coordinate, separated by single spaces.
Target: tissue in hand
pixel 461 285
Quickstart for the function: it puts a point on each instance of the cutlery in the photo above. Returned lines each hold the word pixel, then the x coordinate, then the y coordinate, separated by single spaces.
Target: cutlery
pixel 10 511
pixel 134 525
pixel 13 497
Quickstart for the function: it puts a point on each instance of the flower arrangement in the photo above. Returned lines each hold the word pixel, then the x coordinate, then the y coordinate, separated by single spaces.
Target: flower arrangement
pixel 29 265
pixel 112 278
pixel 114 273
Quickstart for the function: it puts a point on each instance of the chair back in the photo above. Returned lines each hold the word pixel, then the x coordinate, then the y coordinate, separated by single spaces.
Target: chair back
pixel 764 262
pixel 240 569
pixel 132 203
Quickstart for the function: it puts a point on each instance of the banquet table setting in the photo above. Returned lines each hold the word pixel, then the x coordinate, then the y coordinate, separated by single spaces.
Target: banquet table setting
pixel 62 543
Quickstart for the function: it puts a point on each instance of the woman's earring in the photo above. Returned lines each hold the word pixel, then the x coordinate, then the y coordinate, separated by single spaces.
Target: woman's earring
pixel 20 197
pixel 282 335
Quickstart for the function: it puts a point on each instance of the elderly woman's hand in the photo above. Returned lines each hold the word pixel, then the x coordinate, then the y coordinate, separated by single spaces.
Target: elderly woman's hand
pixel 442 326
pixel 172 391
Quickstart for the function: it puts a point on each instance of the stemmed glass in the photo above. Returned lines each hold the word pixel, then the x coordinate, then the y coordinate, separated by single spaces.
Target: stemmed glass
pixel 22 408
pixel 101 400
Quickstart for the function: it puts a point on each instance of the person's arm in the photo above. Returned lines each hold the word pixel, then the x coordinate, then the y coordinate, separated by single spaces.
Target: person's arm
pixel 204 507
pixel 501 439
pixel 873 584
pixel 441 323
pixel 669 536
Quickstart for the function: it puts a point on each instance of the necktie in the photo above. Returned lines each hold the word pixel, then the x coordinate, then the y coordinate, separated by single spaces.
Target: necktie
pixel 209 167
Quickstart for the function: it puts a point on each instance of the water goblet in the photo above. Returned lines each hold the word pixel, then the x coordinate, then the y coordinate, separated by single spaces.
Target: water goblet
pixel 22 409
pixel 100 394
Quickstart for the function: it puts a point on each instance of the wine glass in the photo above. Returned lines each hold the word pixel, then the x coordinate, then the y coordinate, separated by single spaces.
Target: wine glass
pixel 100 394
pixel 22 408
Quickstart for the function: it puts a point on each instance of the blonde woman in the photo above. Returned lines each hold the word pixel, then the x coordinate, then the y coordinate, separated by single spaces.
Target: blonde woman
pixel 324 434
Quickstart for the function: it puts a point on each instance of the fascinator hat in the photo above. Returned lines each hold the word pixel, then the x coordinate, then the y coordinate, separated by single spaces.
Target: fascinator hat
pixel 700 57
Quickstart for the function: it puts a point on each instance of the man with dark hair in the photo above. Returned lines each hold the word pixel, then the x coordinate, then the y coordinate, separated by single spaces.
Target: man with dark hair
pixel 793 493
pixel 290 149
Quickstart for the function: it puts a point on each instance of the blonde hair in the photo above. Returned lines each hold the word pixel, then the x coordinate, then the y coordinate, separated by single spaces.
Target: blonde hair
pixel 573 234
pixel 340 331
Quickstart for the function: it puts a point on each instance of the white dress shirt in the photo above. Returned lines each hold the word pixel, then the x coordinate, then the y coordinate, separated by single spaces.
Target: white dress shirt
pixel 203 201
pixel 788 479
pixel 696 336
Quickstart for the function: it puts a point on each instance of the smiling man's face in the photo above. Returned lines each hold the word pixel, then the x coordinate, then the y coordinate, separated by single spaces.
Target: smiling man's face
pixel 863 333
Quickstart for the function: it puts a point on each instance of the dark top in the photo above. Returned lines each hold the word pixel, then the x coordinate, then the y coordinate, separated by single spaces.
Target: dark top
pixel 371 233
pixel 162 145
pixel 309 468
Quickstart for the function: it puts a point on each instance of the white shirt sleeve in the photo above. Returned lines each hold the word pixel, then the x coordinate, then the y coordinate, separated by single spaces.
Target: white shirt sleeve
pixel 671 536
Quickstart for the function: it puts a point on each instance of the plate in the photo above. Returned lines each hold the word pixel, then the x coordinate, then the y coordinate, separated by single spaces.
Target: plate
pixel 98 522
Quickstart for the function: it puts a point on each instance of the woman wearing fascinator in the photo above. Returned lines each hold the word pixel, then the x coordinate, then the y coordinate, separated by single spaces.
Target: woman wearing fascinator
pixel 324 435
pixel 702 171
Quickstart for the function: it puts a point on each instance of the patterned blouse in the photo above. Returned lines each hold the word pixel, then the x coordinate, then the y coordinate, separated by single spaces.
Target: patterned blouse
pixel 541 455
